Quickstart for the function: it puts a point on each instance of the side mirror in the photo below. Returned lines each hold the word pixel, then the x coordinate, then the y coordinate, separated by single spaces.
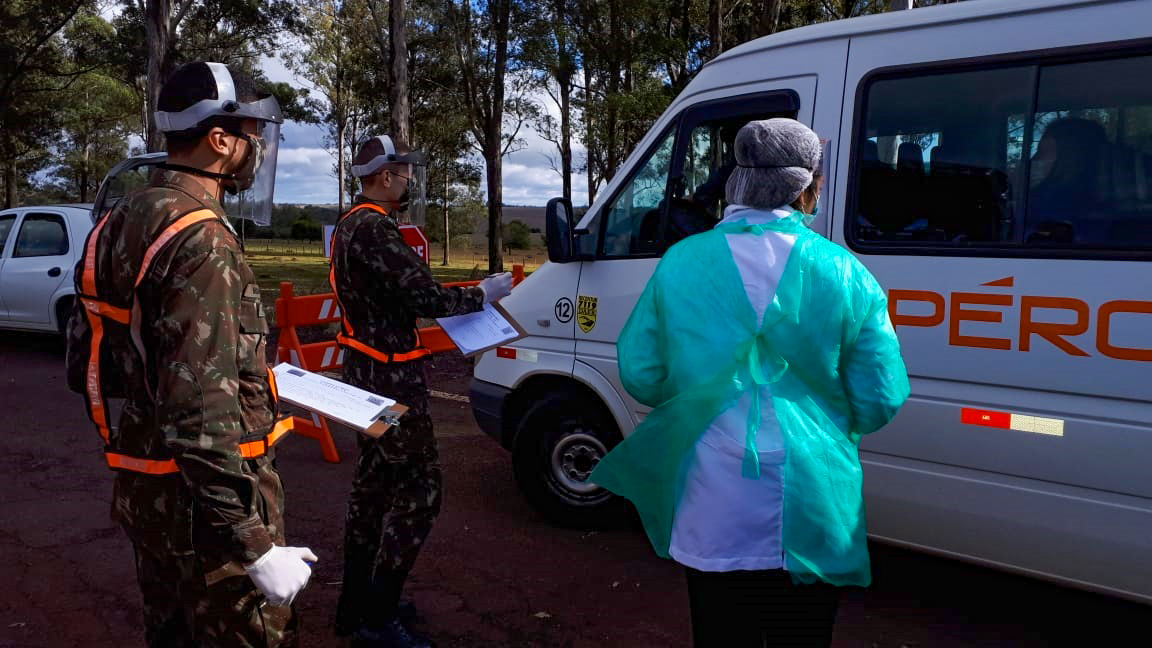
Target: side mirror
pixel 558 231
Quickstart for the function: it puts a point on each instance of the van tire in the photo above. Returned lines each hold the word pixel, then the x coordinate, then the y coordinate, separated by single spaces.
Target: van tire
pixel 63 313
pixel 559 439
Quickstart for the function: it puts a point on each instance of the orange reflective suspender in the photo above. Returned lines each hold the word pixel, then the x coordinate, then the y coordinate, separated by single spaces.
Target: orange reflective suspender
pixel 344 337
pixel 96 310
pixel 93 312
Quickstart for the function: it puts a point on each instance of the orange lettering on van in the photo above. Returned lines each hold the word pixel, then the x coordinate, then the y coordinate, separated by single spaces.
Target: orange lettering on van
pixel 1104 327
pixel 897 296
pixel 958 309
pixel 960 314
pixel 1052 331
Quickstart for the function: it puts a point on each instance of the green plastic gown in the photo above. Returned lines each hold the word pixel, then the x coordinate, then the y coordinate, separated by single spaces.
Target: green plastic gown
pixel 827 348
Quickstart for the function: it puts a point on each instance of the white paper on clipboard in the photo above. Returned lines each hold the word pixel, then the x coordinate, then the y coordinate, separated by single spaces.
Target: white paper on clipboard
pixel 485 329
pixel 369 413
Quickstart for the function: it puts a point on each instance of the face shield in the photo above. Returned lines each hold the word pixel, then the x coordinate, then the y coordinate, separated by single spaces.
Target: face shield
pixel 249 189
pixel 417 213
pixel 415 197
pixel 251 195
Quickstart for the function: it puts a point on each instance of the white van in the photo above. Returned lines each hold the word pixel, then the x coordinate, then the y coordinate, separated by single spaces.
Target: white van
pixel 991 163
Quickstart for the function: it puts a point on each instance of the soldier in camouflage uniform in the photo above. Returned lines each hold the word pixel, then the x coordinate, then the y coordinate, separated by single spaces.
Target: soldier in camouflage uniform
pixel 383 287
pixel 170 320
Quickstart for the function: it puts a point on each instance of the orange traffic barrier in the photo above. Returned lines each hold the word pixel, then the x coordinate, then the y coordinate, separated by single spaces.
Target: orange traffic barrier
pixel 318 310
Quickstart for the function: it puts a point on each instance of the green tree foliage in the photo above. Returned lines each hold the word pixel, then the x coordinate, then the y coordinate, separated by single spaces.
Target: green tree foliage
pixel 36 69
pixel 634 56
pixel 517 235
pixel 154 37
pixel 345 75
pixel 305 228
pixel 465 206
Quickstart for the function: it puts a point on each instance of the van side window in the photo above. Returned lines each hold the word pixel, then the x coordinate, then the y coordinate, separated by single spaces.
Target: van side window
pixel 633 222
pixel 1030 157
pixel 41 235
pixel 932 162
pixel 1090 175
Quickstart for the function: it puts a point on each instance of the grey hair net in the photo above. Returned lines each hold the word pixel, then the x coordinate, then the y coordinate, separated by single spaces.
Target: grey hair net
pixel 776 161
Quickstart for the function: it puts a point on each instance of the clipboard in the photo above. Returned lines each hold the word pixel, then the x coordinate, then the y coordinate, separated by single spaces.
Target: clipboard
pixel 466 329
pixel 370 414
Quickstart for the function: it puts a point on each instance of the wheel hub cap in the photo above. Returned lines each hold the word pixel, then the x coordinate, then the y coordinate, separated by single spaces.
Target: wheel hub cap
pixel 573 460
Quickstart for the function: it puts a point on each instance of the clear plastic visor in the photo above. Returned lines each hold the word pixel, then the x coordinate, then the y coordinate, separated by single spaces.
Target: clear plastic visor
pixel 418 195
pixel 255 203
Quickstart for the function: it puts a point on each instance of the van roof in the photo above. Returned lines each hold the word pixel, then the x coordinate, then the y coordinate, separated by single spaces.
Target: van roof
pixel 897 20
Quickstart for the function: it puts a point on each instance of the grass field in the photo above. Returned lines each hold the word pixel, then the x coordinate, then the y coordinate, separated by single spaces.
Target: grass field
pixel 302 263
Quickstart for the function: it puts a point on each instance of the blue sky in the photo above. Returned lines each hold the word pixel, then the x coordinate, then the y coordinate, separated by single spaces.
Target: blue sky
pixel 304 171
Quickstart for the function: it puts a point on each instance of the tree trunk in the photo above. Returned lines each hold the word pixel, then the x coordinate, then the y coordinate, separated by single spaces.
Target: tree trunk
pixel 770 17
pixel 493 133
pixel 84 173
pixel 564 78
pixel 340 164
pixel 589 137
pixel 715 39
pixel 447 235
pixel 566 136
pixel 11 195
pixel 398 72
pixel 495 212
pixel 156 33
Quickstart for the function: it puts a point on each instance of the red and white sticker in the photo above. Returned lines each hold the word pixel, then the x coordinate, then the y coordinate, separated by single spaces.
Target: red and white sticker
pixel 1010 421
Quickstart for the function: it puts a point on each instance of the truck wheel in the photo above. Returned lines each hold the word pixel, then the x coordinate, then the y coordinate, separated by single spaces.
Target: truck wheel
pixel 559 440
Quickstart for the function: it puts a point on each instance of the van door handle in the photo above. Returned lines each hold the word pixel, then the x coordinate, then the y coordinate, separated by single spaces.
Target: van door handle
pixel 54 272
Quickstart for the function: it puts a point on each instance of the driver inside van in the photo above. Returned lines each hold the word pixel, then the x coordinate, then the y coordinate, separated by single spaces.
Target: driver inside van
pixel 698 211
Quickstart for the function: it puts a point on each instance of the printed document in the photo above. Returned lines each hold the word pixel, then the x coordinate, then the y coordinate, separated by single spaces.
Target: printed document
pixel 482 330
pixel 370 413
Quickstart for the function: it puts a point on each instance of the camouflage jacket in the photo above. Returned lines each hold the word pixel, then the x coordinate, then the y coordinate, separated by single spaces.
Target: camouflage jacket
pixel 383 286
pixel 203 386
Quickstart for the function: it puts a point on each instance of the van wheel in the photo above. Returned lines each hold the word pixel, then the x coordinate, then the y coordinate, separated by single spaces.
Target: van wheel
pixel 63 312
pixel 559 440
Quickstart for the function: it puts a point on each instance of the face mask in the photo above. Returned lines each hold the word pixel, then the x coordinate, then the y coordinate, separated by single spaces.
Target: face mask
pixel 807 219
pixel 243 177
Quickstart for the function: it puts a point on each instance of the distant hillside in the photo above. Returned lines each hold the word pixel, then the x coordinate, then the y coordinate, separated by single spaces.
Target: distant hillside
pixel 533 217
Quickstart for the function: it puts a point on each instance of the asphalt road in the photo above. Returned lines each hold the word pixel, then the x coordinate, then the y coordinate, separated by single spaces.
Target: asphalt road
pixel 493 573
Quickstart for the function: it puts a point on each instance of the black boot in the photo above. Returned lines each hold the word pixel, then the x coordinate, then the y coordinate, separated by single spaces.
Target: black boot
pixel 391 635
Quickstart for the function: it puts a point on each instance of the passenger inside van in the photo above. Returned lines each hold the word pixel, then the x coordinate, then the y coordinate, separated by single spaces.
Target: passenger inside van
pixel 1066 196
pixel 1086 189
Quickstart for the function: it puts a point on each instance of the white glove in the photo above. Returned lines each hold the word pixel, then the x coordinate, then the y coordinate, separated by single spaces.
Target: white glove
pixel 281 573
pixel 496 287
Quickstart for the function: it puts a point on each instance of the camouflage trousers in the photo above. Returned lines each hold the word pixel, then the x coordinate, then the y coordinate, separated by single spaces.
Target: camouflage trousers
pixel 395 497
pixel 191 595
